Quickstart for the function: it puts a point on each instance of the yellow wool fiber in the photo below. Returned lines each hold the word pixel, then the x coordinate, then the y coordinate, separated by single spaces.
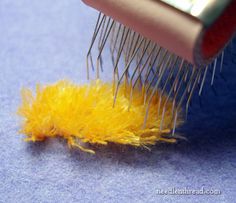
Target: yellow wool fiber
pixel 85 114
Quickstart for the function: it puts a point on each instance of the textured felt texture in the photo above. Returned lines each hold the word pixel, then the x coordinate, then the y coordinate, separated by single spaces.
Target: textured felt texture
pixel 44 41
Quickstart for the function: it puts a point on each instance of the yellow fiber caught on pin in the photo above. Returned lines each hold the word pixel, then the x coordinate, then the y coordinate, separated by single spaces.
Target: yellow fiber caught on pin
pixel 85 114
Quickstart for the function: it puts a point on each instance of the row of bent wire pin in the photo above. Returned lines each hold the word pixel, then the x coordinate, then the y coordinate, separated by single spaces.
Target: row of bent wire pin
pixel 140 63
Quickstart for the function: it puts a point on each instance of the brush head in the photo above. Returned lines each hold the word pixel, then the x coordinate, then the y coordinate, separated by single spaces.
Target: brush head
pixel 197 32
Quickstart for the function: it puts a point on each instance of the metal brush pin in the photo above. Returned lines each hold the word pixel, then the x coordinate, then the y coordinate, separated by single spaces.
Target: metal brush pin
pixel 149 51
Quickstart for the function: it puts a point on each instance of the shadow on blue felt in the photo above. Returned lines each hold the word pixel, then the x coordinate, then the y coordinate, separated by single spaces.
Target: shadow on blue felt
pixel 209 139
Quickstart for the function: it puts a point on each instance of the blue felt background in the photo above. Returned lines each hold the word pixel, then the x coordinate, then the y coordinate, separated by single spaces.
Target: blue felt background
pixel 46 40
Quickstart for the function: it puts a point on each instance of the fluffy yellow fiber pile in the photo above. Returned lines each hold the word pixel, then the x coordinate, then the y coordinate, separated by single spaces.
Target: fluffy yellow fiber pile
pixel 85 114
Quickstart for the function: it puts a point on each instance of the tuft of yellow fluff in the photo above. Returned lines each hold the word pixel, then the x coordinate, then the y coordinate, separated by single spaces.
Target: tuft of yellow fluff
pixel 85 114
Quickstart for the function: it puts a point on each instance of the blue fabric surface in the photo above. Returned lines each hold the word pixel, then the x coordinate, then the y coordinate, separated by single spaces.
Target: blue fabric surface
pixel 44 41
